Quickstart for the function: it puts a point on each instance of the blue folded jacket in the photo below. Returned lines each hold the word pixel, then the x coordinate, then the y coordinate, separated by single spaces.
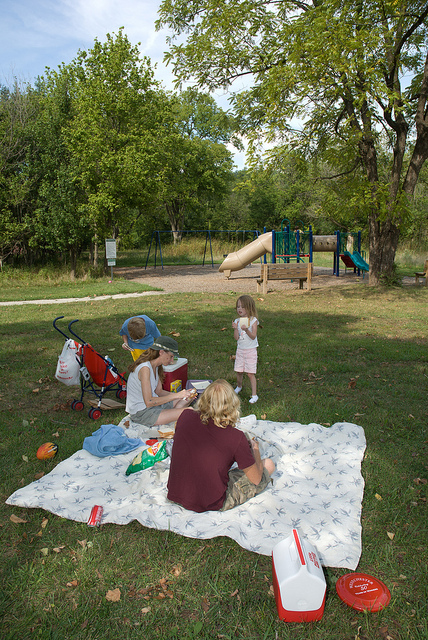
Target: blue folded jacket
pixel 110 440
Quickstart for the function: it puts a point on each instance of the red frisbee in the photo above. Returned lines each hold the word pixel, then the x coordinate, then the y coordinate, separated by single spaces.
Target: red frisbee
pixel 363 592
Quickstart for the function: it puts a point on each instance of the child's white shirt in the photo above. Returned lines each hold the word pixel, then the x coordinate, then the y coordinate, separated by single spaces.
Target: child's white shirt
pixel 244 341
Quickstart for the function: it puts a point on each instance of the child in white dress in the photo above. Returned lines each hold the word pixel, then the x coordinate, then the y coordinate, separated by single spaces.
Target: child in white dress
pixel 245 334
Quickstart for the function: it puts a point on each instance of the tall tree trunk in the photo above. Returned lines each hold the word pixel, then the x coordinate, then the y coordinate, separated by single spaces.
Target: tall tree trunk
pixel 383 242
pixel 175 214
pixel 73 263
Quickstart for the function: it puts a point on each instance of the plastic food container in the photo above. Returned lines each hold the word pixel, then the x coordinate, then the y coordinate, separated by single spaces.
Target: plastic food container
pixel 173 373
pixel 298 580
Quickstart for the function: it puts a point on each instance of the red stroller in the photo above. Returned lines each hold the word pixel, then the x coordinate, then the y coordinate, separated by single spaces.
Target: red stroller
pixel 97 374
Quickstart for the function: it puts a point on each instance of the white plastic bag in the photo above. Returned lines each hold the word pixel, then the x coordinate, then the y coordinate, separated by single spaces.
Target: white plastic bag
pixel 68 367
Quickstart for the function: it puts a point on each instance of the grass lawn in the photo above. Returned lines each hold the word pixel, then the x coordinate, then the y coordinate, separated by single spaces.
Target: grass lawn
pixel 349 353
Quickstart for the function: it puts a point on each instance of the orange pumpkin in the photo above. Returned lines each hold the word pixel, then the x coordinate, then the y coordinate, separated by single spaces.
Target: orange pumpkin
pixel 47 451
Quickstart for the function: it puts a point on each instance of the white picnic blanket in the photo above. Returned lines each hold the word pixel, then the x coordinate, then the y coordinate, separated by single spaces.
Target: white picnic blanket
pixel 317 489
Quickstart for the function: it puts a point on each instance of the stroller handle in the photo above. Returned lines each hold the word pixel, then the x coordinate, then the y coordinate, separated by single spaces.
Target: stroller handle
pixel 75 334
pixel 69 328
pixel 58 329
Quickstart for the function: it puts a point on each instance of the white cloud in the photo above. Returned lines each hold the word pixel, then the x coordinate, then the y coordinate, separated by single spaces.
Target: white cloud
pixel 39 33
pixel 35 34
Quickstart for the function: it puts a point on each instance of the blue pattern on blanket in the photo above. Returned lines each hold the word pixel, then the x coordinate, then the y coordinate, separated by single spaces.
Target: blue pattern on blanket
pixel 317 488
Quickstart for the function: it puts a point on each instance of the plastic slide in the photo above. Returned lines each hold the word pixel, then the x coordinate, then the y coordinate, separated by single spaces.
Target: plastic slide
pixel 358 260
pixel 239 259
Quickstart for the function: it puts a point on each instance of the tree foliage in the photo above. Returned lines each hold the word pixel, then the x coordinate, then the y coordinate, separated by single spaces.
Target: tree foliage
pixel 98 149
pixel 327 78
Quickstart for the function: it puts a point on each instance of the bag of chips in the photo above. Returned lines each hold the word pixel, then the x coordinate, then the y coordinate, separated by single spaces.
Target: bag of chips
pixel 148 457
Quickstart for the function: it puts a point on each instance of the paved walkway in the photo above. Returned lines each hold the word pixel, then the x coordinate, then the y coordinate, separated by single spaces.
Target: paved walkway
pixel 115 296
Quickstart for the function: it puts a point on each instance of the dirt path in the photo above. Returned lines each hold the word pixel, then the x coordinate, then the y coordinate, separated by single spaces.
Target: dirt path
pixel 206 279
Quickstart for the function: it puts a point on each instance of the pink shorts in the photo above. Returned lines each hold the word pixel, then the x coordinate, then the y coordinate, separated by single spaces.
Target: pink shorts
pixel 246 360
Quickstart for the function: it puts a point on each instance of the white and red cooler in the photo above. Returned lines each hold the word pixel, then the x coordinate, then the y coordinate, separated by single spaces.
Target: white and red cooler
pixel 298 580
pixel 175 375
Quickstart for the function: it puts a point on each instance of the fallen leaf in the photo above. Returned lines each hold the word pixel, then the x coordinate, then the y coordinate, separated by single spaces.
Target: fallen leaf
pixel 17 520
pixel 146 610
pixel 44 551
pixel 55 435
pixel 58 549
pixel 327 424
pixel 234 593
pixel 113 595
pixel 44 523
pixel 82 543
pixel 36 390
pixel 263 416
pixel 176 571
pixel 25 423
pixel 352 383
pixel 205 605
pixel 420 481
pixel 390 535
pixel 378 497
pixel 25 458
pixel 410 416
pixel 39 475
pixel 73 583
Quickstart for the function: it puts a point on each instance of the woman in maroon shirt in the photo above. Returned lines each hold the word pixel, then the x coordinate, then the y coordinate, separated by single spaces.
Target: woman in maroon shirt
pixel 206 445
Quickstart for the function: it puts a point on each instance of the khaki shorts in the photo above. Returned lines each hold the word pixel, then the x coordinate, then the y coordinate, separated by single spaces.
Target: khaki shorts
pixel 240 489
pixel 148 417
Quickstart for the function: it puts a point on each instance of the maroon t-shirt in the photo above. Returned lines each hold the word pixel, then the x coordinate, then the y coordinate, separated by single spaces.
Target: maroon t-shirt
pixel 201 457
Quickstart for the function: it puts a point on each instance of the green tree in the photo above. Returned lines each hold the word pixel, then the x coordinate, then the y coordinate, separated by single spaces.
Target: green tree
pixel 196 163
pixel 19 108
pixel 119 116
pixel 59 227
pixel 339 68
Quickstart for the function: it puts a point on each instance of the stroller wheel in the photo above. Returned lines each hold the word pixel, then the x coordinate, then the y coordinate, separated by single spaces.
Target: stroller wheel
pixel 95 413
pixel 121 394
pixel 77 405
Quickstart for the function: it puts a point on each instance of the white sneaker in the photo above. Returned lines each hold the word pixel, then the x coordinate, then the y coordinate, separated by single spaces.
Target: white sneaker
pixel 253 399
pixel 238 389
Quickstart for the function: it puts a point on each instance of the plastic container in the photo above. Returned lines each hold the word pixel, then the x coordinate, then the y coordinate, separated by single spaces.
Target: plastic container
pixel 175 372
pixel 298 580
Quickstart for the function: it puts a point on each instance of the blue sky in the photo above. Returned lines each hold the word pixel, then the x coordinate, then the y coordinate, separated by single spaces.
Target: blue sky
pixel 35 34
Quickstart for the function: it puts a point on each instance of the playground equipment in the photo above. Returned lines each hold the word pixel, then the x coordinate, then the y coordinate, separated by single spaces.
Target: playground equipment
pixel 156 237
pixel 239 259
pixel 357 260
pixel 286 246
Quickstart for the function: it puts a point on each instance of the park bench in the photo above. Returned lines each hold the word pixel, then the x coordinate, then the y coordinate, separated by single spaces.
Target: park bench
pixel 301 272
pixel 422 274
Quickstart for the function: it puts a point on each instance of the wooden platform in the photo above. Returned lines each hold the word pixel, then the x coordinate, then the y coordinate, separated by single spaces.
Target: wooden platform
pixel 301 272
pixel 107 403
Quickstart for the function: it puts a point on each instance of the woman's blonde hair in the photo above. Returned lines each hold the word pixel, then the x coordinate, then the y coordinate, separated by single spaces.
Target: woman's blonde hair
pixel 147 356
pixel 219 403
pixel 248 304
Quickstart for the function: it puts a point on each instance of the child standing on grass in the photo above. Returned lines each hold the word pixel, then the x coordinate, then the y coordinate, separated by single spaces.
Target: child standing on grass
pixel 138 334
pixel 245 334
